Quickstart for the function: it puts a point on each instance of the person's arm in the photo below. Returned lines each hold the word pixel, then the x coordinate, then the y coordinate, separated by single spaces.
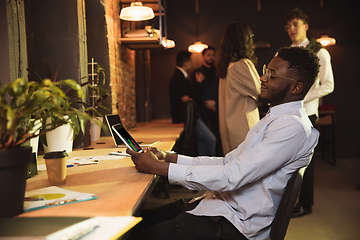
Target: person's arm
pixel 281 145
pixel 147 162
pixel 245 79
pixel 326 78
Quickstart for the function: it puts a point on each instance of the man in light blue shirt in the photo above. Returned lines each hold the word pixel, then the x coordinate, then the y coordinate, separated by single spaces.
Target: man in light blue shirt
pixel 244 188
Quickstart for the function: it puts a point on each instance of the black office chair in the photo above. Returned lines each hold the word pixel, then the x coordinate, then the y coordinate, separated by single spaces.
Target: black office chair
pixel 286 207
pixel 186 144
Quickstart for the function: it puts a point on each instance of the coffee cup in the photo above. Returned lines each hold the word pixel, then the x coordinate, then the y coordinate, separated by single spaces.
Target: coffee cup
pixel 56 167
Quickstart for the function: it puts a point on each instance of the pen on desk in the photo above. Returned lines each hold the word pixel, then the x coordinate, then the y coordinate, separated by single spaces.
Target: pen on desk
pixel 81 164
pixel 119 153
pixel 61 202
pixel 81 233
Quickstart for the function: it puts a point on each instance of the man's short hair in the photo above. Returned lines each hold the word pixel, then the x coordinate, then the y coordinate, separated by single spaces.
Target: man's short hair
pixel 182 57
pixel 296 13
pixel 208 48
pixel 303 62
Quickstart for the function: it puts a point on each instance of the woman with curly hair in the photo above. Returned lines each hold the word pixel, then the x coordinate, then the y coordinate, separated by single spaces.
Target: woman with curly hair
pixel 239 85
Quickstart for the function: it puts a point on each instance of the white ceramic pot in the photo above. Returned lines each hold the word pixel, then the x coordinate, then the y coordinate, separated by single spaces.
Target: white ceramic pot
pixel 95 130
pixel 59 139
pixel 34 142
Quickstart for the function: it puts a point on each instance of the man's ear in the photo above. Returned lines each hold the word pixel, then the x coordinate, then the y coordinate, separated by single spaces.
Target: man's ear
pixel 297 88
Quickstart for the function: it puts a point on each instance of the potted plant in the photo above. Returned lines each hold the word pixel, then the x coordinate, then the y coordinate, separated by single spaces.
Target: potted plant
pixel 97 94
pixel 22 104
pixel 63 136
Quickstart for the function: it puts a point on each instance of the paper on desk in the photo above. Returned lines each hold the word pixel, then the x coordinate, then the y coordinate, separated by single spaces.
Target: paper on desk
pixel 85 160
pixel 94 158
pixel 111 227
pixel 39 198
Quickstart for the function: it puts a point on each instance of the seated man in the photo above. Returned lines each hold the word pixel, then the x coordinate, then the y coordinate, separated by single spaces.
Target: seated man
pixel 244 188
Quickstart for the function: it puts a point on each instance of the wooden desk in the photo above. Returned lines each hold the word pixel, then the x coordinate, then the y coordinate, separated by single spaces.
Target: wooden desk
pixel 120 188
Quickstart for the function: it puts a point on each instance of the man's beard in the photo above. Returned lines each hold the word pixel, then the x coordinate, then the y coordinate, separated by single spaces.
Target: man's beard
pixel 274 99
pixel 210 63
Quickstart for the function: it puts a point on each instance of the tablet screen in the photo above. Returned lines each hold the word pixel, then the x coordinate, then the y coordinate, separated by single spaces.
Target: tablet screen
pixel 111 120
pixel 126 138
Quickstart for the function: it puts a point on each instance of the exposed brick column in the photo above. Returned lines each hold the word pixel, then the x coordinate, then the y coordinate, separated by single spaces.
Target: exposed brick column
pixel 122 68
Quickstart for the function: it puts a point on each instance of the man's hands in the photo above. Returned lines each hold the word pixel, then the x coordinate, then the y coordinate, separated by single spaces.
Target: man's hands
pixel 199 77
pixel 210 104
pixel 149 161
pixel 162 155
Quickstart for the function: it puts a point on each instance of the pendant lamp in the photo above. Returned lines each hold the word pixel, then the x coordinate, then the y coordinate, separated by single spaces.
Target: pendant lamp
pixel 325 40
pixel 136 12
pixel 198 46
pixel 168 43
pixel 260 43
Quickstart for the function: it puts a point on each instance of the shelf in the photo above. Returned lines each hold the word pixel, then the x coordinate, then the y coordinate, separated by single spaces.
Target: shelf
pixel 142 43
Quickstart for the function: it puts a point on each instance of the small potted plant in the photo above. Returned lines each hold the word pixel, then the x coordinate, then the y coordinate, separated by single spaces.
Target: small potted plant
pixel 63 136
pixel 22 104
pixel 97 94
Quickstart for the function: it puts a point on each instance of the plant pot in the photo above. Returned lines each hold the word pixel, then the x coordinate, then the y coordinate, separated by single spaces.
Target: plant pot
pixel 13 173
pixel 95 130
pixel 60 139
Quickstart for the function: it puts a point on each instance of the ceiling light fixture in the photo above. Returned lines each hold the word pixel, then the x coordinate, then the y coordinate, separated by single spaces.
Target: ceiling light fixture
pixel 136 12
pixel 168 43
pixel 198 46
pixel 260 43
pixel 324 40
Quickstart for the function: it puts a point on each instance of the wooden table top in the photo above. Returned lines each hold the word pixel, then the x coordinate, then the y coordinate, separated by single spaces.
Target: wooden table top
pixel 120 188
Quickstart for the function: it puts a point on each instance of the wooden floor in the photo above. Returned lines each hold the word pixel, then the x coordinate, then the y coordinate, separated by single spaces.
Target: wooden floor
pixel 336 212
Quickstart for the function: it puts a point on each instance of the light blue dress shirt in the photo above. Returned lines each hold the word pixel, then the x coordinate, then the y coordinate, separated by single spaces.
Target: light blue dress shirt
pixel 246 185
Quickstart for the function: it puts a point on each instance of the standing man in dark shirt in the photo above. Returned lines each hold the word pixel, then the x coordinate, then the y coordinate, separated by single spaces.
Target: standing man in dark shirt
pixel 180 91
pixel 180 87
pixel 206 87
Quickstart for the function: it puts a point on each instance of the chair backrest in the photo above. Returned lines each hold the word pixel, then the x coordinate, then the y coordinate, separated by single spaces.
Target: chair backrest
pixel 286 207
pixel 185 144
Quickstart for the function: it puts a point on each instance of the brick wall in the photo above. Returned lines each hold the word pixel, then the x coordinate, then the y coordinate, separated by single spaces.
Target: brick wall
pixel 122 68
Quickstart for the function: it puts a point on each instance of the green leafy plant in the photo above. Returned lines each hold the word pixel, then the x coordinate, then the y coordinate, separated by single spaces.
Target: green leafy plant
pixel 97 93
pixel 24 103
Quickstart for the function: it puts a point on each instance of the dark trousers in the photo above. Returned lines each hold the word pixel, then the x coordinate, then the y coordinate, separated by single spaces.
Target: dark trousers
pixel 171 222
pixel 306 197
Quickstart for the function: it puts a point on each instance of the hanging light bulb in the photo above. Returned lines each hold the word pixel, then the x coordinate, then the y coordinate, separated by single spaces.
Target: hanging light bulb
pixel 197 47
pixel 325 40
pixel 168 43
pixel 137 12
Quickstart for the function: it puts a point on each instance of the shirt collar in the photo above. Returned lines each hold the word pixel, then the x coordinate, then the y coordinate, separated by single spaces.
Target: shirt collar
pixel 285 107
pixel 183 71
pixel 302 44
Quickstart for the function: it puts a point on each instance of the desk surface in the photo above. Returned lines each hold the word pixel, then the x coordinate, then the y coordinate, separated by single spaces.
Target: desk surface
pixel 120 188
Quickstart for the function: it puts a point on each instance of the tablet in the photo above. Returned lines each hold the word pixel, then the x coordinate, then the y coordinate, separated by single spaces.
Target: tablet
pixel 112 119
pixel 126 137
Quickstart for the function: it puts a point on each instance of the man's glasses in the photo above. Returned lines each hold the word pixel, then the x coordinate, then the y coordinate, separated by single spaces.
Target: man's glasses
pixel 295 25
pixel 267 73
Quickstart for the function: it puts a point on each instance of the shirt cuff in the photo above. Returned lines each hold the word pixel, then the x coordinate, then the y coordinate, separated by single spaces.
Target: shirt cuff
pixel 176 174
pixel 184 160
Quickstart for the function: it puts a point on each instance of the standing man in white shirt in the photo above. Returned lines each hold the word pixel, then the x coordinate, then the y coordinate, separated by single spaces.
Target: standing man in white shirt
pixel 244 188
pixel 296 25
